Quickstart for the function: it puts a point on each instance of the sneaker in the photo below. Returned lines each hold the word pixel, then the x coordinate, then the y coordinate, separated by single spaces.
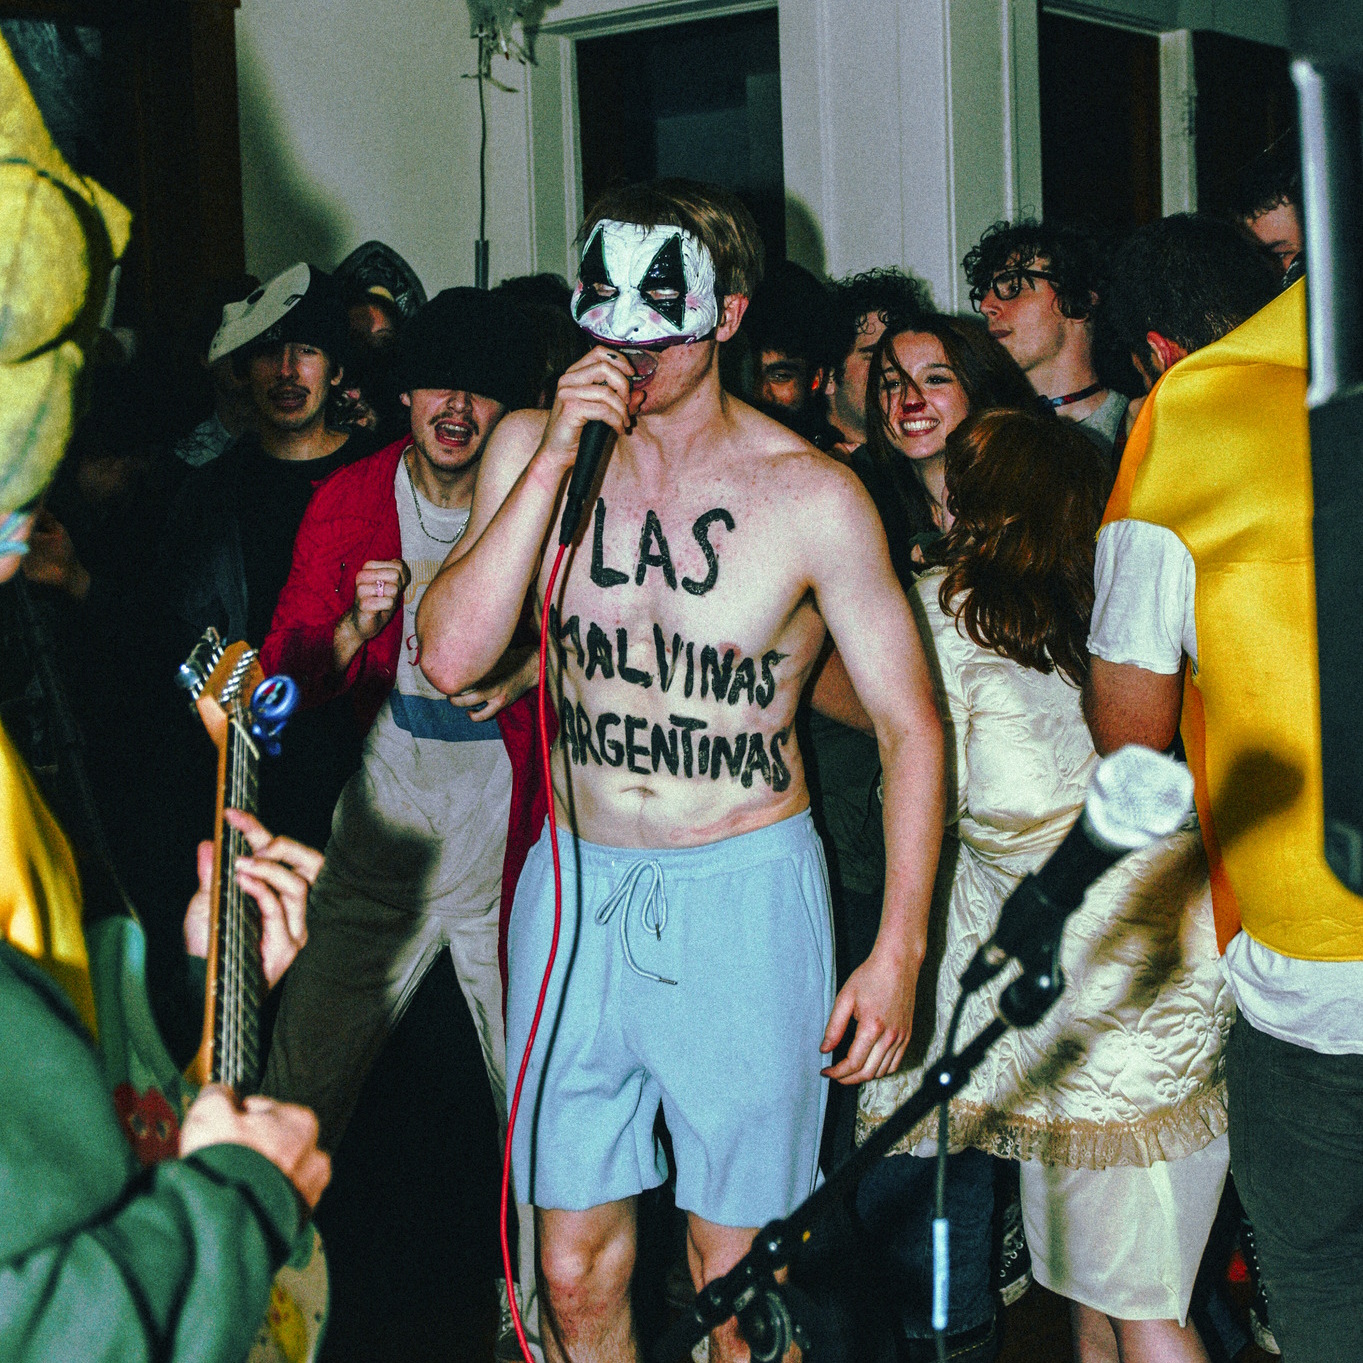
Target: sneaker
pixel 1013 1276
pixel 508 1348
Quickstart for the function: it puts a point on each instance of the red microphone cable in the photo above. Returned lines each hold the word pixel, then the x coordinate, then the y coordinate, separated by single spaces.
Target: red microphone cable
pixel 548 969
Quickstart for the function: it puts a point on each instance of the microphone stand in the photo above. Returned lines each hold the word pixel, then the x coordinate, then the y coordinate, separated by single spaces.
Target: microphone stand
pixel 750 1291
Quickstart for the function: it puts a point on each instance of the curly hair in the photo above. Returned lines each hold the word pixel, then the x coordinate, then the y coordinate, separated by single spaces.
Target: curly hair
pixel 1027 495
pixel 790 313
pixel 1272 179
pixel 987 373
pixel 895 296
pixel 1074 256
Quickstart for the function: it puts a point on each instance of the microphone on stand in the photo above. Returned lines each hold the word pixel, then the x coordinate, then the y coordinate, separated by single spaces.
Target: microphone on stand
pixel 1136 796
pixel 591 447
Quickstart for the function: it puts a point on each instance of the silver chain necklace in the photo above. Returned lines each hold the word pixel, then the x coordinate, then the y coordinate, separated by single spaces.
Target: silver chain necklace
pixel 416 502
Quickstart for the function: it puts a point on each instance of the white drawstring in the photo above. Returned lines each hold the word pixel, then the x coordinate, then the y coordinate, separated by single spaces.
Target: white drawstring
pixel 652 921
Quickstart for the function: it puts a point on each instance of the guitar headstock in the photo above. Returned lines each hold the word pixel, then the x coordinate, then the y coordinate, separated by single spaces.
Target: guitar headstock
pixel 225 682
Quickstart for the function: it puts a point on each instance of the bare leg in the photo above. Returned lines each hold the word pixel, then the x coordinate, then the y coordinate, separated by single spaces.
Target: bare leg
pixel 1094 1338
pixel 712 1251
pixel 586 1259
pixel 1158 1341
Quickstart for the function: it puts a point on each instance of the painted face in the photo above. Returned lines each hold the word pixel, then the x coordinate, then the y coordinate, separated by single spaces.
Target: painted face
pixel 645 286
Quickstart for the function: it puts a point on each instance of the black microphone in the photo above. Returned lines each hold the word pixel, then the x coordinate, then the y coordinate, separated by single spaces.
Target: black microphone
pixel 1136 796
pixel 591 446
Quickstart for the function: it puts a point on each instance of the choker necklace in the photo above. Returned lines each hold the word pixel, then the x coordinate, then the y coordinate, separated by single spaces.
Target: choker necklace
pixel 416 502
pixel 1076 397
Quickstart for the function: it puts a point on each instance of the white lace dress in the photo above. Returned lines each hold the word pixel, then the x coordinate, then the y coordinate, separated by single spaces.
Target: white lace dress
pixel 1119 1089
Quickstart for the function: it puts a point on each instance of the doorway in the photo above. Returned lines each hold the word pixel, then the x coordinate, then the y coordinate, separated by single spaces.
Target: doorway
pixel 1246 107
pixel 1100 123
pixel 700 100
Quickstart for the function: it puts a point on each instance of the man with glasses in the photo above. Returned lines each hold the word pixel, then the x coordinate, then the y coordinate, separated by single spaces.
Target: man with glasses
pixel 1037 287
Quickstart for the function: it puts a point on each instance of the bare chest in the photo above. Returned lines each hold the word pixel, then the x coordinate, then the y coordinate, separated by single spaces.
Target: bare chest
pixel 681 621
pixel 654 588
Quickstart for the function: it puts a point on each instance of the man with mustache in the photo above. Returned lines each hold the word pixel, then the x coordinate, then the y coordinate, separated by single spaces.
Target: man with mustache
pixel 229 539
pixel 421 830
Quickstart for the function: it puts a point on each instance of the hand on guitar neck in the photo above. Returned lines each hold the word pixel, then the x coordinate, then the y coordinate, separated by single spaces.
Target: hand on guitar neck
pixel 248 919
pixel 276 875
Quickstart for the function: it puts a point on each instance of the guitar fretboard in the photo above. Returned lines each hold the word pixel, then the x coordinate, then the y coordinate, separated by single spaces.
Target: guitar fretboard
pixel 241 975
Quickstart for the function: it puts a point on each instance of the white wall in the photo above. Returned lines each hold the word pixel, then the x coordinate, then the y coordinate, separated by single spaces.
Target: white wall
pixel 908 126
pixel 355 124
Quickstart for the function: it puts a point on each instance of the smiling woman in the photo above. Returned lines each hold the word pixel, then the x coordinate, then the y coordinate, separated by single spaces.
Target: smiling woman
pixel 924 382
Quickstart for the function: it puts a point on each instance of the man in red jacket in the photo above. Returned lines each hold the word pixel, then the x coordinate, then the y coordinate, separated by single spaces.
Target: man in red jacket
pixel 415 861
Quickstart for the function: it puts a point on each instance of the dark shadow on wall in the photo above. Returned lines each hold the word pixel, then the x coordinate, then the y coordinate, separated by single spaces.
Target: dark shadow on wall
pixel 288 216
pixel 804 237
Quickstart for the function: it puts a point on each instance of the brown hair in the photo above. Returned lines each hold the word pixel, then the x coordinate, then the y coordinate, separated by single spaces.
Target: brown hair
pixel 986 371
pixel 1027 494
pixel 716 217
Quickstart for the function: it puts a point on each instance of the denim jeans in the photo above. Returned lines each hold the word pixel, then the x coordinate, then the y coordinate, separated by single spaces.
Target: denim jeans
pixel 895 1203
pixel 1296 1146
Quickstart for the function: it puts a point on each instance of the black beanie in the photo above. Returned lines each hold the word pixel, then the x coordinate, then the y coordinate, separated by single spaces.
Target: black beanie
pixel 472 341
pixel 317 319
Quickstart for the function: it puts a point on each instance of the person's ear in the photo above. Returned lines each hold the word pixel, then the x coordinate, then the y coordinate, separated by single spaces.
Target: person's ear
pixel 338 376
pixel 735 305
pixel 406 399
pixel 817 380
pixel 1165 353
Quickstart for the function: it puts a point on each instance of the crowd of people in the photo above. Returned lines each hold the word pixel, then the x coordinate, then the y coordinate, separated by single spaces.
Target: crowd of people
pixel 863 592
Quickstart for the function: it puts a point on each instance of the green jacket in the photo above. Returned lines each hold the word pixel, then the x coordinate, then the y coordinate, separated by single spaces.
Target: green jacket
pixel 100 1259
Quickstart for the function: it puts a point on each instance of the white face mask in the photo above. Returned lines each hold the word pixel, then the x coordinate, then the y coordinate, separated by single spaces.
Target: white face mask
pixel 645 285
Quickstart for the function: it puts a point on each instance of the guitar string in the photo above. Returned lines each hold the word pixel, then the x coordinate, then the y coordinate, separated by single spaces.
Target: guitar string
pixel 247 968
pixel 235 1010
pixel 229 1039
pixel 238 916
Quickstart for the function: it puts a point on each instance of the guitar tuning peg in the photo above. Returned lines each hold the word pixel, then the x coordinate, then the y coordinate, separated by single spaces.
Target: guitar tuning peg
pixel 272 702
pixel 193 673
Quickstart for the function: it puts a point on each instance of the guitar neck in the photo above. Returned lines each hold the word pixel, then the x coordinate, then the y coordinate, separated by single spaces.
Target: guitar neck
pixel 243 713
pixel 236 974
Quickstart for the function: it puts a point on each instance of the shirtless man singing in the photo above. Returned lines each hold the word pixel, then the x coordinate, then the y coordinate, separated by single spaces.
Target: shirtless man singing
pixel 695 969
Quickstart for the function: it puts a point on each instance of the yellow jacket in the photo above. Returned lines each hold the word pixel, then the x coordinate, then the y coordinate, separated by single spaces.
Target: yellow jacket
pixel 1220 455
pixel 40 902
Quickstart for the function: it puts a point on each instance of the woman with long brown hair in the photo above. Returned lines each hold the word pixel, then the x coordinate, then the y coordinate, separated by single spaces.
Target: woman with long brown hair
pixel 1114 1103
pixel 927 377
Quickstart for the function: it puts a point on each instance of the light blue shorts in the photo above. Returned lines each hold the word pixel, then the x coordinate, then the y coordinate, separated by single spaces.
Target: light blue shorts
pixel 697 978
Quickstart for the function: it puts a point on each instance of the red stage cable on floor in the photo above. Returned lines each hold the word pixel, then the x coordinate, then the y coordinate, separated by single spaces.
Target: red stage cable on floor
pixel 548 968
